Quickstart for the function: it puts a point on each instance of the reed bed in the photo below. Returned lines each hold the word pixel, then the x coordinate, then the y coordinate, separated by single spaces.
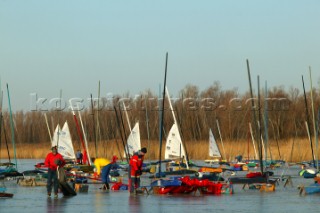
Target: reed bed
pixel 289 150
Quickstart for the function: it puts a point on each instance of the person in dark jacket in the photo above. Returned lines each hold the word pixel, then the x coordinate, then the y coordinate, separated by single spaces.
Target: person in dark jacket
pixel 53 161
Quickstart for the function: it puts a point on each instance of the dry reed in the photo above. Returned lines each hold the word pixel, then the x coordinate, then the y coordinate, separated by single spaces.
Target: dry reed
pixel 197 150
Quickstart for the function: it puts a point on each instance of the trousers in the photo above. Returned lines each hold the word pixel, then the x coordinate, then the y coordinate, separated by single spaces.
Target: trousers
pixel 52 181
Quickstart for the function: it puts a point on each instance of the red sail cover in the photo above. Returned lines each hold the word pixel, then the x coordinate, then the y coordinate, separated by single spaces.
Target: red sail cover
pixel 189 185
pixel 253 174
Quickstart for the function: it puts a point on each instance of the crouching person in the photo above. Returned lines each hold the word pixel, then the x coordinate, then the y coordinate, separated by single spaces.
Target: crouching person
pixel 105 172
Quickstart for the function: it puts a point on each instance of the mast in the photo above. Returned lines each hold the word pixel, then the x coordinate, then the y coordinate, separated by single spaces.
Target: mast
pixel 308 132
pixel 6 139
pixel 129 126
pixel 126 150
pixel 85 138
pixel 124 129
pixel 60 97
pixel 94 127
pixel 45 117
pixel 253 141
pixel 266 121
pixel 224 151
pixel 263 149
pixel 2 125
pixel 147 123
pixel 308 122
pixel 98 133
pixel 254 116
pixel 314 121
pixel 259 127
pixel 175 122
pixel 126 113
pixel 12 129
pixel 84 146
pixel 162 113
pixel 171 108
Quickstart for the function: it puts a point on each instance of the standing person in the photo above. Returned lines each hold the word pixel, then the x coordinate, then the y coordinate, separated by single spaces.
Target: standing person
pixel 53 161
pixel 136 162
pixel 79 157
pixel 105 172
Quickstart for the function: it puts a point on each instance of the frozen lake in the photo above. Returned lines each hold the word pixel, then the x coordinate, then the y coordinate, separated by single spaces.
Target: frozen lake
pixel 34 199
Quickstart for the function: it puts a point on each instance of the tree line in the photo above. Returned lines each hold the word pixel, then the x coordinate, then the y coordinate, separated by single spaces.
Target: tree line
pixel 227 113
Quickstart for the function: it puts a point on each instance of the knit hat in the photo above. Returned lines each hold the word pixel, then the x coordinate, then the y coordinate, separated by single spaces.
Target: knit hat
pixel 114 159
pixel 144 150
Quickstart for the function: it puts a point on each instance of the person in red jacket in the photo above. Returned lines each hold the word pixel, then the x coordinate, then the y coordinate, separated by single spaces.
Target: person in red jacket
pixel 136 162
pixel 53 161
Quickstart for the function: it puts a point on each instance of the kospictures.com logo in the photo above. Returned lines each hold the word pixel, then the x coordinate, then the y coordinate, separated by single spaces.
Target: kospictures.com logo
pixel 138 102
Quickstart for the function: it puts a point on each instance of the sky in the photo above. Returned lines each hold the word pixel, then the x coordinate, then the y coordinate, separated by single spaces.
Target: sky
pixel 50 48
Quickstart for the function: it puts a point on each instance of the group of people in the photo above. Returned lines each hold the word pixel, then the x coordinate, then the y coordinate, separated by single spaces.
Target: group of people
pixel 103 168
pixel 54 160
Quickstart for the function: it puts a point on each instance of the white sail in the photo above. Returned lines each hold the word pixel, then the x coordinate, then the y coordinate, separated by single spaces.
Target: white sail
pixel 213 148
pixel 133 143
pixel 174 144
pixel 62 139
